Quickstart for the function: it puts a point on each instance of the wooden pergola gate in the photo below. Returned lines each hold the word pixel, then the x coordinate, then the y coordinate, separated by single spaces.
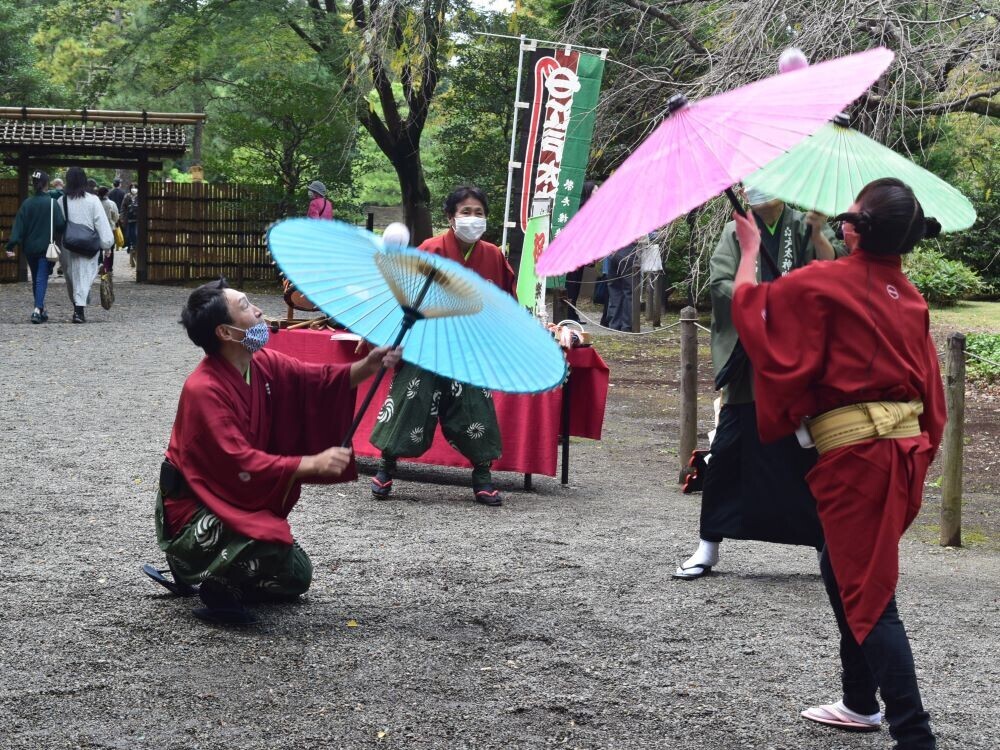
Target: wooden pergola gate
pixel 47 138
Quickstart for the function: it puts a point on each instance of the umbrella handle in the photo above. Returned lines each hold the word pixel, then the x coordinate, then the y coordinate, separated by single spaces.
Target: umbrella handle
pixel 410 316
pixel 768 260
pixel 736 202
pixel 364 407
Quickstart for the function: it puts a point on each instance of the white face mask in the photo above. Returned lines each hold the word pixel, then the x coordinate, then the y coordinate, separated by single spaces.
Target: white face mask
pixel 134 191
pixel 469 228
pixel 757 197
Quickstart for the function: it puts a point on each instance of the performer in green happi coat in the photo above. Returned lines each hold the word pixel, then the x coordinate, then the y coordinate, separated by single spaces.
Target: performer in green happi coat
pixel 751 490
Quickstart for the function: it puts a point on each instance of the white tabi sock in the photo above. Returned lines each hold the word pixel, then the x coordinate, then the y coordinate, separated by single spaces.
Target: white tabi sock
pixel 707 554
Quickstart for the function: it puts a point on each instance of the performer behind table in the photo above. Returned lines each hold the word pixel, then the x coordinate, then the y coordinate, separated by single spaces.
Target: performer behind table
pixel 846 346
pixel 755 491
pixel 419 399
pixel 252 426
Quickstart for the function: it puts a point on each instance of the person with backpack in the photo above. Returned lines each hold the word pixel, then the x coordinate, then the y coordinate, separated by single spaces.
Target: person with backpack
pixel 38 219
pixel 319 206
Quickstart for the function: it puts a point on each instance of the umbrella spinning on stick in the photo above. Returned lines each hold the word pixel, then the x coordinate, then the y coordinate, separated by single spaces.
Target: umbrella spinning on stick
pixel 705 147
pixel 450 320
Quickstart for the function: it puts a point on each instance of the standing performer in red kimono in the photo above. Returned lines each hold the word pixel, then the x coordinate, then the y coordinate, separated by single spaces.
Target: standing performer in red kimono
pixel 419 399
pixel 252 426
pixel 860 374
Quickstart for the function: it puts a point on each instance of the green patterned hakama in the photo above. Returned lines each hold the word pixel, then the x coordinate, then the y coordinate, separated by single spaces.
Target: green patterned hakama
pixel 205 547
pixel 418 400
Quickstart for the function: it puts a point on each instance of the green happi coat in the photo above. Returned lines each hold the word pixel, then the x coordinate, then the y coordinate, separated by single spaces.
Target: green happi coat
pixel 792 241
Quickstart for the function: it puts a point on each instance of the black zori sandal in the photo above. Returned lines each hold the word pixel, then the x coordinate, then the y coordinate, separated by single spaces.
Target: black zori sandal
pixel 177 588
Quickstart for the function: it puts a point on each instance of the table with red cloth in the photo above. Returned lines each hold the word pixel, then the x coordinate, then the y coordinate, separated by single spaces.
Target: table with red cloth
pixel 530 426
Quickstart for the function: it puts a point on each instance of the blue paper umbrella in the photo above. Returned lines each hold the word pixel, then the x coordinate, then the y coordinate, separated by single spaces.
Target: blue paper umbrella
pixel 463 327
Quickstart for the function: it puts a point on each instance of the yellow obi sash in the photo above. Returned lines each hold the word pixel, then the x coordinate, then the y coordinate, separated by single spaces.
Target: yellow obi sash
pixel 856 423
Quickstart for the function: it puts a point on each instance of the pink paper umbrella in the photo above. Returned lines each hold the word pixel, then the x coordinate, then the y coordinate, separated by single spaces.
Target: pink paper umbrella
pixel 703 148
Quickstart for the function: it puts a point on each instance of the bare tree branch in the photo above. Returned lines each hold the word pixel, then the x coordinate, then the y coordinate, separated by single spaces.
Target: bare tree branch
pixel 314 45
pixel 973 103
pixel 670 21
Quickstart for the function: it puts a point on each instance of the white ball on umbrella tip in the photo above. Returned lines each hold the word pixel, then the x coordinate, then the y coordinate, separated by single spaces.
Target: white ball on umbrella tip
pixel 792 59
pixel 396 235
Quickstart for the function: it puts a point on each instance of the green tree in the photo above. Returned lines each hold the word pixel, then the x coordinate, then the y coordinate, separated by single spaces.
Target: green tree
pixel 473 115
pixel 278 127
pixel 22 82
pixel 383 44
pixel 78 41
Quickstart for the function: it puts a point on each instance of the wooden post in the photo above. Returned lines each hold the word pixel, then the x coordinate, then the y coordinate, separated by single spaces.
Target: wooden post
pixel 654 300
pixel 23 172
pixel 142 240
pixel 635 280
pixel 954 433
pixel 689 388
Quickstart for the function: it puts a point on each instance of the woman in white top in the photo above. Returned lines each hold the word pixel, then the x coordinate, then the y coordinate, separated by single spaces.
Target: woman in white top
pixel 83 208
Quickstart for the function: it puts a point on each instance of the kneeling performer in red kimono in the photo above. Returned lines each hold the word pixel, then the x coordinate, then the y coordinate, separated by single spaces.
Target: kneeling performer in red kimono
pixel 252 426
pixel 859 377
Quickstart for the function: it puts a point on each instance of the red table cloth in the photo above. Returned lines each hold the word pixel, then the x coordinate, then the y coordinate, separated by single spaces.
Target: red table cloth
pixel 529 425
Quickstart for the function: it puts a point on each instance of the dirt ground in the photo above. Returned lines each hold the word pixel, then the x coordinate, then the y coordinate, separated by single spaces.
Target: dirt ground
pixel 432 622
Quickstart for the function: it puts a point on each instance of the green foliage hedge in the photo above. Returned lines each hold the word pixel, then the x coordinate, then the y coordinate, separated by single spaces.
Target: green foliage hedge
pixel 986 345
pixel 942 281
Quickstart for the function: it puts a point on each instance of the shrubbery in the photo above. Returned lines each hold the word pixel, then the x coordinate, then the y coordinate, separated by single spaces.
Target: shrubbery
pixel 986 345
pixel 942 281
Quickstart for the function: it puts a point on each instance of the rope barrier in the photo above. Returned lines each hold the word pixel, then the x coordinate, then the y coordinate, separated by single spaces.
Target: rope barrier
pixel 982 359
pixel 629 333
pixel 968 354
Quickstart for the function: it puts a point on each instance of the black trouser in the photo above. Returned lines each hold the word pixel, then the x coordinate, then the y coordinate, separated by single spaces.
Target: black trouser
pixel 882 662
pixel 754 490
pixel 622 268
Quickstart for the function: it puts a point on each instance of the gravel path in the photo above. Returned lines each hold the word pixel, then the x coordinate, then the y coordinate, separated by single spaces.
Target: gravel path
pixel 552 621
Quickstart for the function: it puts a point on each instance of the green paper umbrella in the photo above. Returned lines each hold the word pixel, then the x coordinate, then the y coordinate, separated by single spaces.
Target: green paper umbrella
pixel 826 171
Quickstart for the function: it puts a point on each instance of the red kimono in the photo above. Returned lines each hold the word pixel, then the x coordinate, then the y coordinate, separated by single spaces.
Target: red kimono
pixel 238 445
pixel 485 259
pixel 837 333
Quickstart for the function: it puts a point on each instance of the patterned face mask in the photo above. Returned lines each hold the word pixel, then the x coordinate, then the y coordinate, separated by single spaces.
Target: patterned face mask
pixel 255 337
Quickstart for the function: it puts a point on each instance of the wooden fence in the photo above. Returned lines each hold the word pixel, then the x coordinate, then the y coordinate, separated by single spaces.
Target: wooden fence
pixel 201 230
pixel 8 210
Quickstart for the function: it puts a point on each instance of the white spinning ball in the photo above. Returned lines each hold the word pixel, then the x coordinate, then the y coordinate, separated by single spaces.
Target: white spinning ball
pixel 792 59
pixel 396 235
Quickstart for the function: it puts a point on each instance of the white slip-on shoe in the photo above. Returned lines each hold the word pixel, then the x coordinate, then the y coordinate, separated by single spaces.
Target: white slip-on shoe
pixel 840 716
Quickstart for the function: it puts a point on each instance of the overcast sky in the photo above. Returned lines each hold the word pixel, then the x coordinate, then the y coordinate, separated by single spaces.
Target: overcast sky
pixel 496 5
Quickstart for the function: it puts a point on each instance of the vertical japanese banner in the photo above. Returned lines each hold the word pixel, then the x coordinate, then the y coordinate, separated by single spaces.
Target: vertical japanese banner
pixel 530 286
pixel 560 91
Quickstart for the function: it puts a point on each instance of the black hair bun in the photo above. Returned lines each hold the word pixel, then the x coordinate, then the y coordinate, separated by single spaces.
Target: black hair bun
pixel 865 222
pixel 932 227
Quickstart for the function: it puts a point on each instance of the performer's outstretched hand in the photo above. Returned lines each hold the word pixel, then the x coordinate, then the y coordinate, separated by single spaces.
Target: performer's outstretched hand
pixel 382 356
pixel 749 238
pixel 329 463
pixel 747 233
pixel 386 356
pixel 815 221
